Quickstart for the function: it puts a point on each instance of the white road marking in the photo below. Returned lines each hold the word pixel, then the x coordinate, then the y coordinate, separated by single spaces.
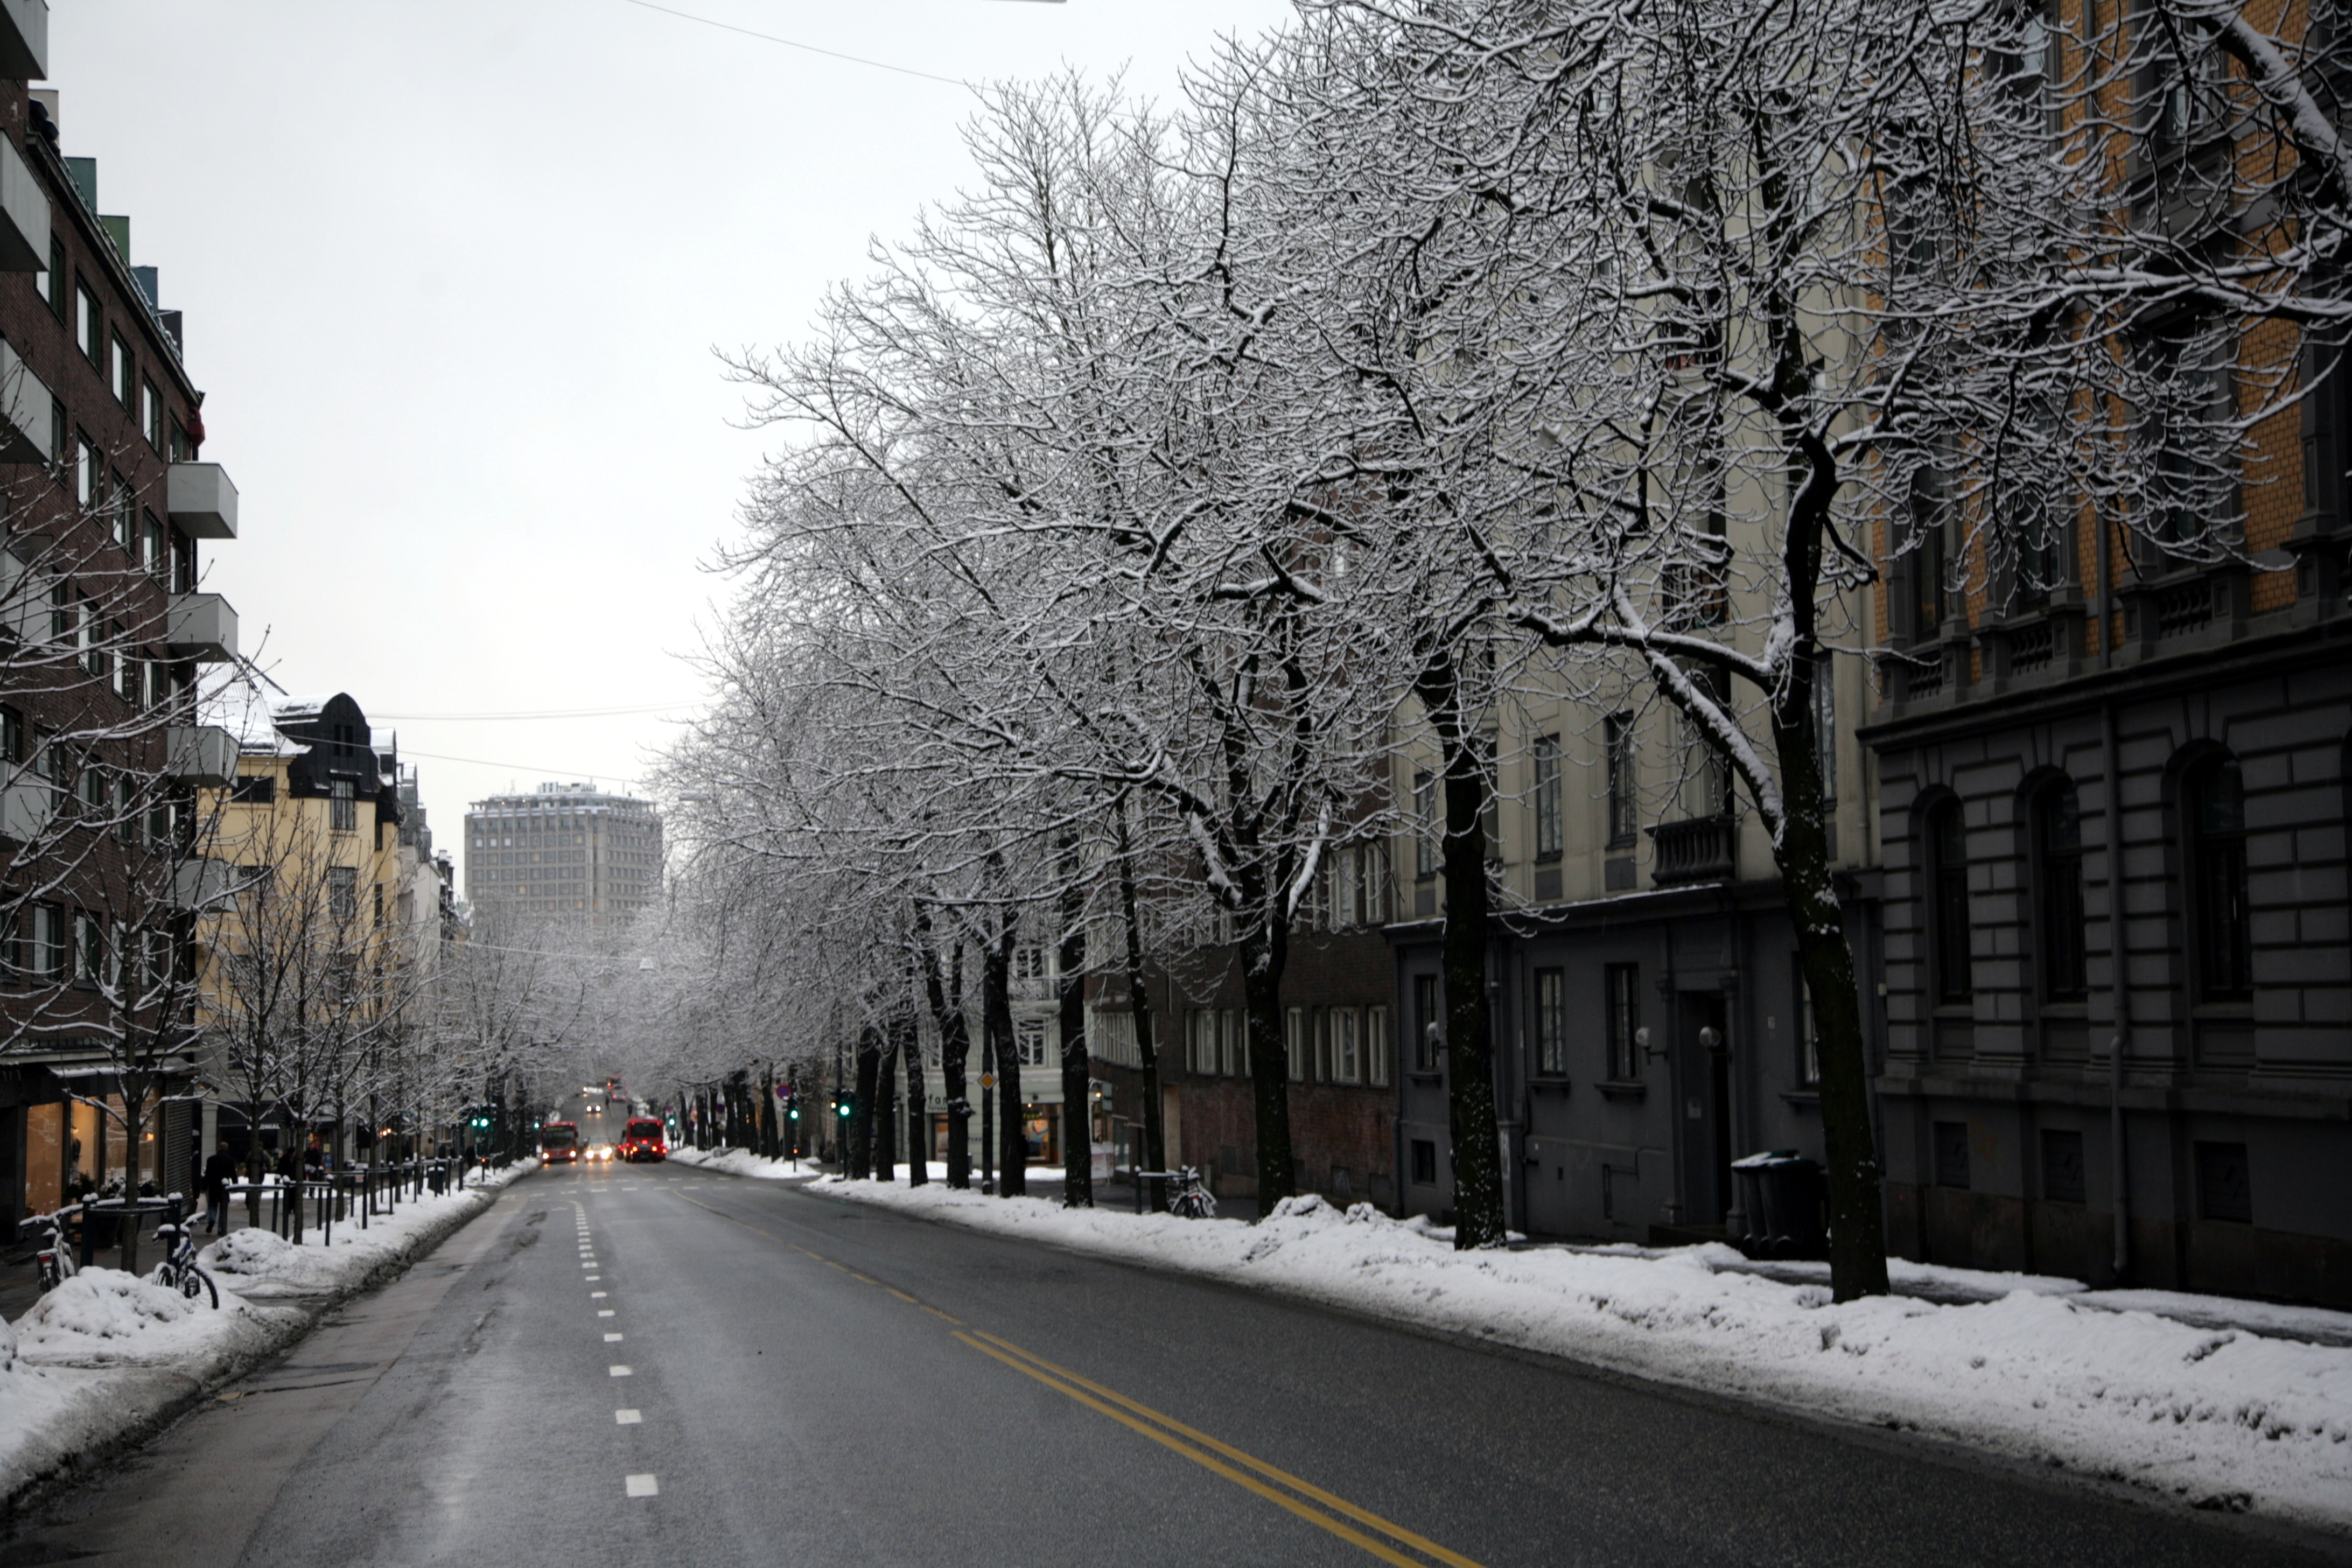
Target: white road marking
pixel 627 1418
pixel 596 1295
pixel 612 1339
pixel 619 1371
pixel 603 1311
pixel 643 1485
pixel 592 1279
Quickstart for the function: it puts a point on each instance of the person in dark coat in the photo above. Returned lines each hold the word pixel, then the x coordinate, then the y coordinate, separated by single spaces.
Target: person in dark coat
pixel 219 1171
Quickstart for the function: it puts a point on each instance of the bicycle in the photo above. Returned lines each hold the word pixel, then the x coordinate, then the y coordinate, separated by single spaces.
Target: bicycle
pixel 1191 1200
pixel 178 1271
pixel 54 1262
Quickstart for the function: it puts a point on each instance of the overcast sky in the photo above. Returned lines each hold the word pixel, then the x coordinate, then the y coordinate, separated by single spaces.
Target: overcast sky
pixel 454 272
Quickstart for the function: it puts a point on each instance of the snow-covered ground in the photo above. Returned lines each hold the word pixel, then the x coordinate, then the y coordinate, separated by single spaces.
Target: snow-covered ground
pixel 2221 1417
pixel 108 1353
pixel 743 1163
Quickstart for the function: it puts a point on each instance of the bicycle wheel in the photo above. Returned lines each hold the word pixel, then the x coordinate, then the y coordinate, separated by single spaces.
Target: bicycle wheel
pixel 196 1284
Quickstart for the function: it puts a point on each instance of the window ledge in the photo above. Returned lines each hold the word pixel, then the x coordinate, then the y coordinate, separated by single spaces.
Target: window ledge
pixel 1551 1085
pixel 1803 1097
pixel 1616 1088
pixel 1424 1077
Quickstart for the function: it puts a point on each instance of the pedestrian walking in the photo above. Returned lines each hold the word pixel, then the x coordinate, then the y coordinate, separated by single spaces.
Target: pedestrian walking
pixel 219 1171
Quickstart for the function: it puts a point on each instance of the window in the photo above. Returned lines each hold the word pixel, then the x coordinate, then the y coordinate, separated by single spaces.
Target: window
pixel 157 556
pixel 2062 1166
pixel 1946 878
pixel 1029 1037
pixel 2186 452
pixel 253 789
pixel 342 806
pixel 88 950
pixel 379 903
pixel 343 892
pixel 1551 1023
pixel 2058 888
pixel 122 372
pixel 151 416
pixel 46 959
pixel 1622 998
pixel 90 333
pixel 1424 1162
pixel 2224 1189
pixel 94 788
pixel 1825 750
pixel 1347 1048
pixel 2190 103
pixel 1294 1041
pixel 12 739
pixel 2216 813
pixel 1808 1037
pixel 86 470
pixel 1426 825
pixel 1952 1155
pixel 1233 1043
pixel 1929 567
pixel 1617 741
pixel 1428 1024
pixel 1546 792
pixel 1029 963
pixel 46 282
pixel 1377 1047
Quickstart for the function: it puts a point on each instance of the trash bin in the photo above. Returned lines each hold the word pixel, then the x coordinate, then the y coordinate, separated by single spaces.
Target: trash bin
pixel 1784 1192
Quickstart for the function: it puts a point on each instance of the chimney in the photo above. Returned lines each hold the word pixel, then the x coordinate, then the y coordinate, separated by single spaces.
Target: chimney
pixel 171 325
pixel 145 278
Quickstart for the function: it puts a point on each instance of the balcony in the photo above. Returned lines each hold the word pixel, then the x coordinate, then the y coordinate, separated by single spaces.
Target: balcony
pixel 1699 849
pixel 200 887
pixel 24 213
pixel 27 411
pixel 203 755
pixel 201 500
pixel 25 811
pixel 25 46
pixel 200 627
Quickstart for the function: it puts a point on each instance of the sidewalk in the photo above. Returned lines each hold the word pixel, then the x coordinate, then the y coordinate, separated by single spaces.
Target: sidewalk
pixel 105 1359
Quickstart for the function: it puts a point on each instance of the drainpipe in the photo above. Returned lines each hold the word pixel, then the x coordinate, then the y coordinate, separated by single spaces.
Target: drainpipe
pixel 2121 1172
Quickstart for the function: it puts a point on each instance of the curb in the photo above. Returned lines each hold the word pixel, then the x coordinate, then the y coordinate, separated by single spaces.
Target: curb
pixel 154 1398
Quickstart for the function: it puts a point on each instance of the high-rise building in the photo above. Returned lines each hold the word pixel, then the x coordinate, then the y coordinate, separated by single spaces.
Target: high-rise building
pixel 564 849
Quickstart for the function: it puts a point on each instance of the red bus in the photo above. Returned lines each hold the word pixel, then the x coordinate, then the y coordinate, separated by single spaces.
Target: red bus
pixel 559 1142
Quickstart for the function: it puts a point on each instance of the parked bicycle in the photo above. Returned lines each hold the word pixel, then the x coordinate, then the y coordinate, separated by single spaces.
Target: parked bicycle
pixel 178 1271
pixel 1191 1200
pixel 54 1262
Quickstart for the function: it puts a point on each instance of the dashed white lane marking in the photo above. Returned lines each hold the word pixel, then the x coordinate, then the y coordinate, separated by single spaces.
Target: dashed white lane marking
pixel 596 1295
pixel 612 1339
pixel 619 1371
pixel 592 1279
pixel 603 1311
pixel 627 1418
pixel 643 1485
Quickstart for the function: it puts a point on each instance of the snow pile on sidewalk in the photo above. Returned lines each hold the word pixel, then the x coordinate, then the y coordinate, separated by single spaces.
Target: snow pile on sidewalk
pixel 108 1353
pixel 2220 1419
pixel 104 1316
pixel 743 1163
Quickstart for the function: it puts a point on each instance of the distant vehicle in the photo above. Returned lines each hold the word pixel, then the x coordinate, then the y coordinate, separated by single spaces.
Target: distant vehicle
pixel 559 1144
pixel 642 1140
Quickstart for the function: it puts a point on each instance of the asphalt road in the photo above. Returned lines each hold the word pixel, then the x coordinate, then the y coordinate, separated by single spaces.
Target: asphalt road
pixel 625 1365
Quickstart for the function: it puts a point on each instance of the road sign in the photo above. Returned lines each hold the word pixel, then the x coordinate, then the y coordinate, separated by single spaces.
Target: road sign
pixel 988 1080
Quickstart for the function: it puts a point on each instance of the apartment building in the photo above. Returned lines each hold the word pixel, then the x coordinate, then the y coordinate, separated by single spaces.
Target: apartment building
pixel 105 627
pixel 563 849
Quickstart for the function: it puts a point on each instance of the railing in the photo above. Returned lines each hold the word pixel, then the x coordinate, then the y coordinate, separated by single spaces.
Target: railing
pixel 1699 849
pixel 2032 648
pixel 2187 608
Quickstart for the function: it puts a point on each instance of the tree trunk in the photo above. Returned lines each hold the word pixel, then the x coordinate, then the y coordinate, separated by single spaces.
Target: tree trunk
pixel 1265 954
pixel 918 1121
pixel 946 999
pixel 1077 1075
pixel 1005 1051
pixel 1469 1044
pixel 1138 1001
pixel 861 1120
pixel 885 1109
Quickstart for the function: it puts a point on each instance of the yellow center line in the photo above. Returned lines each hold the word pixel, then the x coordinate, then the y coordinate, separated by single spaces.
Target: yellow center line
pixel 1341 1504
pixel 1313 1516
pixel 935 1312
pixel 902 1294
pixel 861 1279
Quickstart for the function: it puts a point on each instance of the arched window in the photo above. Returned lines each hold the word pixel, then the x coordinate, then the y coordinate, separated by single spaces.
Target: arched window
pixel 2058 889
pixel 2213 808
pixel 1947 901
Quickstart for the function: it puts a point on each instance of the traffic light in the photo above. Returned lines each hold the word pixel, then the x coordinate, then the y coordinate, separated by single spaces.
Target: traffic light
pixel 481 1117
pixel 792 1108
pixel 847 1107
